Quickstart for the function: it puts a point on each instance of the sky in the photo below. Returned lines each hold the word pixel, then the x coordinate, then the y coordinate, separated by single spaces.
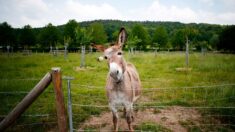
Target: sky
pixel 39 13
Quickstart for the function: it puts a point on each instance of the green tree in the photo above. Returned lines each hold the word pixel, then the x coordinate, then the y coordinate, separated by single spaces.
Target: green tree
pixel 83 36
pixel 132 42
pixel 227 39
pixel 214 40
pixel 27 37
pixel 115 35
pixel 69 31
pixel 160 37
pixel 7 36
pixel 140 32
pixel 178 39
pixel 98 33
pixel 50 36
pixel 181 35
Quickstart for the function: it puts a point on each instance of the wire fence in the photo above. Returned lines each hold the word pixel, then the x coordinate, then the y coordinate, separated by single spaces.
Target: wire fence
pixel 204 108
pixel 191 108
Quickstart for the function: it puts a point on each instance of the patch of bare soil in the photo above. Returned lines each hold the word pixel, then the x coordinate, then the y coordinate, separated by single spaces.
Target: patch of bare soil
pixel 170 117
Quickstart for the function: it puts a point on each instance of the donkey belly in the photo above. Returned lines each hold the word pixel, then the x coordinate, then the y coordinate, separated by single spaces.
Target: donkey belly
pixel 118 100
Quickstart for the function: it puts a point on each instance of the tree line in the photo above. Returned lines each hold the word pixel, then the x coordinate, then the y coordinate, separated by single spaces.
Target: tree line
pixel 141 35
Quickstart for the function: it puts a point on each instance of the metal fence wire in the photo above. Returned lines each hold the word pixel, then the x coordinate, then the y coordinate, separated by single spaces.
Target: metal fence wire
pixel 40 116
pixel 194 108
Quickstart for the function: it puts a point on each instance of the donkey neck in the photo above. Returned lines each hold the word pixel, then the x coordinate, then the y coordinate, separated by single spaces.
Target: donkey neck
pixel 121 85
pixel 118 84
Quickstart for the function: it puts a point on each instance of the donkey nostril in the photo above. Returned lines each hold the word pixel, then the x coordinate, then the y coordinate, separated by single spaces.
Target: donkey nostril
pixel 117 71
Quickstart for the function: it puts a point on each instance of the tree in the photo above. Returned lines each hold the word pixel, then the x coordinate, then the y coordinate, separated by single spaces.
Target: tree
pixel 190 32
pixel 140 32
pixel 83 36
pixel 178 39
pixel 115 35
pixel 227 39
pixel 27 37
pixel 132 42
pixel 181 35
pixel 69 31
pixel 98 33
pixel 214 40
pixel 7 36
pixel 160 37
pixel 50 36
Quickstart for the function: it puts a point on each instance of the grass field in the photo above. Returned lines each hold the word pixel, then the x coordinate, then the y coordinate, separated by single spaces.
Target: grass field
pixel 208 84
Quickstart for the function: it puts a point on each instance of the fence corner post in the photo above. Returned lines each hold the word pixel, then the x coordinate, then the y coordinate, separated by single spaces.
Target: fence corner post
pixel 60 106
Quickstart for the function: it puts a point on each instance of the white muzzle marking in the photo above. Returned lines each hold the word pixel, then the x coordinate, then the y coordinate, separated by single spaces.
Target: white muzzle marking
pixel 115 71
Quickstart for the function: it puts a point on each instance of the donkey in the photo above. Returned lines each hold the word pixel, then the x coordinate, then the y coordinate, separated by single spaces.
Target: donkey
pixel 123 86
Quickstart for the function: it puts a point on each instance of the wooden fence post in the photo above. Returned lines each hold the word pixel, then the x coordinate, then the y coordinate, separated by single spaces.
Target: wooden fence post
pixel 60 107
pixel 26 102
pixel 187 53
pixel 83 50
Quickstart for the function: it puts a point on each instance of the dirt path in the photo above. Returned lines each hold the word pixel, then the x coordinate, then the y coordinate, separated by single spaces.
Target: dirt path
pixel 171 118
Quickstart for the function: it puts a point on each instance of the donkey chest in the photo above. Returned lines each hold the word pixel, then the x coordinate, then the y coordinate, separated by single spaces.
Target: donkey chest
pixel 119 98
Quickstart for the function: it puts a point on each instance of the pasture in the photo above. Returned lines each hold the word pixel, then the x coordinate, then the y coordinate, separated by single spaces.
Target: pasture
pixel 207 91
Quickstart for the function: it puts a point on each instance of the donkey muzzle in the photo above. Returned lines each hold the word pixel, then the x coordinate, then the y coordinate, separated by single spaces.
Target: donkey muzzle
pixel 115 71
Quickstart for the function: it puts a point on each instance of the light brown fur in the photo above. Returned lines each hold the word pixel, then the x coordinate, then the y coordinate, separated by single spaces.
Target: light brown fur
pixel 123 89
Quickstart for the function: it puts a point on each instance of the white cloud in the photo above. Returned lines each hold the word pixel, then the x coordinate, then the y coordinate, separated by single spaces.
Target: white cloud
pixel 229 4
pixel 22 12
pixel 91 12
pixel 38 13
pixel 160 12
pixel 207 2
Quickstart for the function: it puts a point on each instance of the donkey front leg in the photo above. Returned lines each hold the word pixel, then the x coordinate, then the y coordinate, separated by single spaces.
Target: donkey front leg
pixel 115 116
pixel 115 121
pixel 129 118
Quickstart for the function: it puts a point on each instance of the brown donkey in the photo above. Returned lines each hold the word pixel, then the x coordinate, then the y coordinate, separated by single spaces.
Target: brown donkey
pixel 123 85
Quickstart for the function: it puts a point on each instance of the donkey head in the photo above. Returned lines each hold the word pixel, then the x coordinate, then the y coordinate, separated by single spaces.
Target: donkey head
pixel 114 57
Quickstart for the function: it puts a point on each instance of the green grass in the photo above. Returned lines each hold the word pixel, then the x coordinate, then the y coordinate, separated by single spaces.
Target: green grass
pixel 21 73
pixel 152 127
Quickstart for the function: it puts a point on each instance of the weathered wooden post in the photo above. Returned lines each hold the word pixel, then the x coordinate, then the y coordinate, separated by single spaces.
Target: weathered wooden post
pixel 155 48
pixel 50 50
pixel 56 51
pixel 187 52
pixel 203 51
pixel 60 107
pixel 132 50
pixel 91 49
pixel 155 51
pixel 8 50
pixel 83 50
pixel 65 51
pixel 26 102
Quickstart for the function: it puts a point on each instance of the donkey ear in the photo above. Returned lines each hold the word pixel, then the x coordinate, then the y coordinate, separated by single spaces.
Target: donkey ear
pixel 100 48
pixel 122 37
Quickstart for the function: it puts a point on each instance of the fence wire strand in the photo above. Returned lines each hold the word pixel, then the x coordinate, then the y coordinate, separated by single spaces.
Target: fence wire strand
pixel 204 93
pixel 166 91
pixel 149 89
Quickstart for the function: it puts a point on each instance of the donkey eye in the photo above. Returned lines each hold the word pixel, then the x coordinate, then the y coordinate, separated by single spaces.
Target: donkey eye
pixel 119 53
pixel 105 57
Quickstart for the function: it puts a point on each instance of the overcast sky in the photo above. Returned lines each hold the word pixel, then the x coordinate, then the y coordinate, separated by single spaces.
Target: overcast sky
pixel 38 13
